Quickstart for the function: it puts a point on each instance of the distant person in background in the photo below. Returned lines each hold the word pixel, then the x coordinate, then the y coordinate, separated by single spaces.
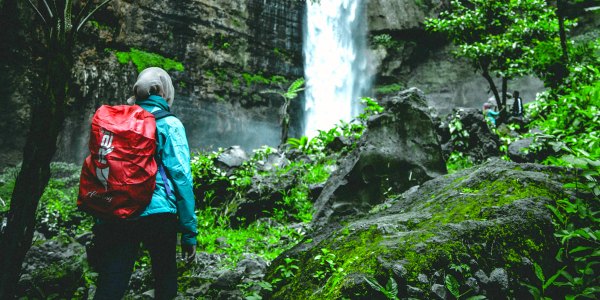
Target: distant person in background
pixel 517 108
pixel 490 114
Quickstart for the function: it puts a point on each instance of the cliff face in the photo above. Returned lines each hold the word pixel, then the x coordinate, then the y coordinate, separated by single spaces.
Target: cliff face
pixel 230 51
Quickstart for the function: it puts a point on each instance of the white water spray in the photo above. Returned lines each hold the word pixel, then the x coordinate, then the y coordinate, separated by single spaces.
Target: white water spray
pixel 337 64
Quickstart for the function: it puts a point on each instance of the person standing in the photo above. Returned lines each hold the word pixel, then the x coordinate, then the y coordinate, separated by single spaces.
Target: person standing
pixel 490 114
pixel 517 108
pixel 171 207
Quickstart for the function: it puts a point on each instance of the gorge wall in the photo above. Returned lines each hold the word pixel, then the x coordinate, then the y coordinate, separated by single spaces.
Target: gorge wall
pixel 230 51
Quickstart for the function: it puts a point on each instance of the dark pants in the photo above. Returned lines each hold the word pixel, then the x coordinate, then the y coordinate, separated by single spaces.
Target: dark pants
pixel 118 244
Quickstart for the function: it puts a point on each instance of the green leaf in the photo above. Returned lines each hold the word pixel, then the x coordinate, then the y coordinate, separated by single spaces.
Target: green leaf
pixel 392 286
pixel 552 279
pixel 452 285
pixel 538 272
pixel 374 284
pixel 478 297
pixel 579 249
pixel 533 290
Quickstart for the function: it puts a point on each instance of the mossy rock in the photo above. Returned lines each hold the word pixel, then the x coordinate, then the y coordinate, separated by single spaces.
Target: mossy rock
pixel 484 227
pixel 54 269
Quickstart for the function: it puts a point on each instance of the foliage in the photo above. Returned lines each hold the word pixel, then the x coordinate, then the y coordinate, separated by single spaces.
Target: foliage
pixel 264 238
pixel 577 230
pixel 385 40
pixel 286 270
pixel 289 95
pixel 569 117
pixel 142 60
pixel 221 191
pixel 328 263
pixel 57 214
pixel 499 36
pixel 570 122
pixel 506 134
pixel 458 134
pixel 458 161
pixel 389 89
pixel 390 291
pixel 317 147
pixel 252 79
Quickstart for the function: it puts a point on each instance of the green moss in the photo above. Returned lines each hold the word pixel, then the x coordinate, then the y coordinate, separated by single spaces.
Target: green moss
pixel 390 88
pixel 430 242
pixel 356 254
pixel 469 203
pixel 254 79
pixel 142 60
pixel 99 26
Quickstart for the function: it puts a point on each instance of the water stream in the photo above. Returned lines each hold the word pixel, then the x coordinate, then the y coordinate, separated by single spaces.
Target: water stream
pixel 337 64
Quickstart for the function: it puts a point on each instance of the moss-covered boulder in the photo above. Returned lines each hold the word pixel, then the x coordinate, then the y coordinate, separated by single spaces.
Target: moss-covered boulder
pixel 477 232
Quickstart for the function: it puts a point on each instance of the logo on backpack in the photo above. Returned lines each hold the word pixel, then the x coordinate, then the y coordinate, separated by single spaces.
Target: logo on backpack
pixel 105 148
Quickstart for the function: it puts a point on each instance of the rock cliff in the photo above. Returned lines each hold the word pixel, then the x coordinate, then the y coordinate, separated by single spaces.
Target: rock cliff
pixel 230 51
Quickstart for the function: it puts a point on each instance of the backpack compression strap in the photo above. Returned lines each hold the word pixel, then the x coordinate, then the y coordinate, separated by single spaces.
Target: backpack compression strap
pixel 159 114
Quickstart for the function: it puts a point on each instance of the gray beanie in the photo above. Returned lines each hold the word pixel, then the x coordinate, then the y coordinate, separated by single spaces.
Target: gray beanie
pixel 153 81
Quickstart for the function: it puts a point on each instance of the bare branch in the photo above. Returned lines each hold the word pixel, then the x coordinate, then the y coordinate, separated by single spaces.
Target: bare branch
pixel 90 14
pixel 48 8
pixel 37 11
pixel 82 12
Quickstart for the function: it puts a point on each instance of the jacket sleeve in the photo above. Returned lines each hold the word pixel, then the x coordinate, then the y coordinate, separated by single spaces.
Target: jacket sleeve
pixel 493 113
pixel 176 160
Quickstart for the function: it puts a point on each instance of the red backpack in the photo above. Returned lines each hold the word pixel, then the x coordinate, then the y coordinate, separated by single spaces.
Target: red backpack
pixel 118 177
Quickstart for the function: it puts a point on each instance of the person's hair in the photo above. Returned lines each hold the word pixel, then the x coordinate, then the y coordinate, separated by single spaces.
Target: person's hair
pixel 516 94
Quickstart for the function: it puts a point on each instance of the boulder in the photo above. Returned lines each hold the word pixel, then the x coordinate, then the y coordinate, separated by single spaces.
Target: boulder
pixel 518 150
pixel 484 226
pixel 53 268
pixel 399 149
pixel 231 158
pixel 479 143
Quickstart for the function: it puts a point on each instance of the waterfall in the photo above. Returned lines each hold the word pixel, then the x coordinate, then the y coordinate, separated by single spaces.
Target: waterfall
pixel 337 64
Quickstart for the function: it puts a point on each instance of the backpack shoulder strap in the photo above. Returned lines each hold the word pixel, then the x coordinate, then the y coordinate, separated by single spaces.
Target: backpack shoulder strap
pixel 159 114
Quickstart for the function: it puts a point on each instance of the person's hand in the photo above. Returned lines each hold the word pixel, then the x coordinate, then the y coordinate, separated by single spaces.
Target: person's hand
pixel 188 252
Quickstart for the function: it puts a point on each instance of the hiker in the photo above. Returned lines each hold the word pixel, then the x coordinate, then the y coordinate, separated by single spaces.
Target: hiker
pixel 489 114
pixel 517 108
pixel 171 208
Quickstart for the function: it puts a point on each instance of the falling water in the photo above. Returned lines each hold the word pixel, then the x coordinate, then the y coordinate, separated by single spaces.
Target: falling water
pixel 336 62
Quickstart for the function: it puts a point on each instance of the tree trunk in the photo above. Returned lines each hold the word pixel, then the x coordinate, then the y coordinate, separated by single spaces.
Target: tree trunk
pixel 485 73
pixel 503 112
pixel 47 117
pixel 560 11
pixel 562 71
pixel 285 120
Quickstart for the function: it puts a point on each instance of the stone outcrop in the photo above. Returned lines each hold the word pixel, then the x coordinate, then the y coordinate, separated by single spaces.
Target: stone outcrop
pixel 484 226
pixel 474 138
pixel 399 149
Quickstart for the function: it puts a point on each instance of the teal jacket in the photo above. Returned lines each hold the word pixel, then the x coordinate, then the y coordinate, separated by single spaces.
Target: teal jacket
pixel 491 116
pixel 173 150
